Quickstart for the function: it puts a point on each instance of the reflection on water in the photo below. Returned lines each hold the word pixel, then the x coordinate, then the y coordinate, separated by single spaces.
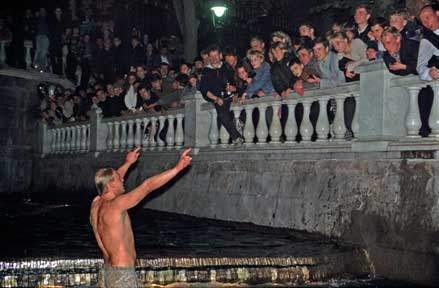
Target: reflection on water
pixel 62 231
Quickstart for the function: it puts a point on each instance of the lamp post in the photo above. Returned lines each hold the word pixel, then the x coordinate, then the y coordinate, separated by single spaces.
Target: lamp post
pixel 218 9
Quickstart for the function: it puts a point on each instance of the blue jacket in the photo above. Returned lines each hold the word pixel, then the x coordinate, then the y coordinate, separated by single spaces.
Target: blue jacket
pixel 261 81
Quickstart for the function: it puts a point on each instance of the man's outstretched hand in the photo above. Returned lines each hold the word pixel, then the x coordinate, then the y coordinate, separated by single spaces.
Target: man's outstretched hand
pixel 185 160
pixel 132 156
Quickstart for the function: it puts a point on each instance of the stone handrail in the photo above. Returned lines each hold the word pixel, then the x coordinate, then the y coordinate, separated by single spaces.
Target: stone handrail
pixel 262 132
pixel 386 117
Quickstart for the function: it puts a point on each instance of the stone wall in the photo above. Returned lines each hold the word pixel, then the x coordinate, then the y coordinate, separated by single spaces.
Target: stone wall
pixel 386 202
pixel 19 116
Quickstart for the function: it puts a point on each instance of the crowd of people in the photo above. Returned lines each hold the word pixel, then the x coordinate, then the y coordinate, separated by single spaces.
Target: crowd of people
pixel 140 78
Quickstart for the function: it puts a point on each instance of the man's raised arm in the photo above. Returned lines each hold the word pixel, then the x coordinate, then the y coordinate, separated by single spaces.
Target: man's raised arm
pixel 129 160
pixel 131 199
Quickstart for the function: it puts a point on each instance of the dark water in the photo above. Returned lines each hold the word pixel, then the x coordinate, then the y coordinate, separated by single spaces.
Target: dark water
pixel 61 230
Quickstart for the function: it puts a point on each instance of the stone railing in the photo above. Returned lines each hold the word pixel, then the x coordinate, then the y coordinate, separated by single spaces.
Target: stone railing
pixel 270 131
pixel 66 138
pixel 383 116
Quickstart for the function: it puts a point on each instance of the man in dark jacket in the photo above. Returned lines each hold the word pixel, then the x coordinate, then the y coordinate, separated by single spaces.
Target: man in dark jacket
pixel 280 72
pixel 215 87
pixel 401 58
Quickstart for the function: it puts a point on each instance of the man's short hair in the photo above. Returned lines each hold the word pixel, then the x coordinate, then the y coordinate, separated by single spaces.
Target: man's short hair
pixel 392 31
pixel 229 51
pixel 164 64
pixel 155 77
pixel 213 48
pixel 102 177
pixel 143 86
pixel 182 79
pixel 401 12
pixel 365 7
pixel 255 53
pixel 307 24
pixel 321 40
pixel 379 21
pixel 257 38
pixel 279 44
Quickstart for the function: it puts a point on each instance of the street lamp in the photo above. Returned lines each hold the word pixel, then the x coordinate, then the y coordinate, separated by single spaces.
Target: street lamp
pixel 218 9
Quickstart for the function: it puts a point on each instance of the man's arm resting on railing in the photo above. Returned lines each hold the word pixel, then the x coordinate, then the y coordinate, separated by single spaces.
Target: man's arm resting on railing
pixel 131 199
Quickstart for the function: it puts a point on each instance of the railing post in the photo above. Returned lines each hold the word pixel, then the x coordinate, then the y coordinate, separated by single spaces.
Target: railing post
pixel 213 131
pixel 413 119
pixel 160 141
pixel 179 134
pixel 97 132
pixel 123 135
pixel 291 124
pixel 130 136
pixel 275 126
pixel 170 135
pixel 110 136
pixel 306 128
pixel 249 129
pixel 45 139
pixel 355 126
pixel 433 121
pixel 145 139
pixel 196 121
pixel 339 125
pixel 224 136
pixel 3 51
pixel 152 133
pixel 27 58
pixel 322 126
pixel 262 128
pixel 138 136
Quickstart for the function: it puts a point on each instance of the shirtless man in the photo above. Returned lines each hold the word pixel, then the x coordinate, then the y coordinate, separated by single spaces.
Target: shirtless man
pixel 111 222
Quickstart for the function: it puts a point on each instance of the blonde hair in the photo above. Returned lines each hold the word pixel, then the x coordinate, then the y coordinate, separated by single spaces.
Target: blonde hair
pixel 392 31
pixel 255 53
pixel 102 177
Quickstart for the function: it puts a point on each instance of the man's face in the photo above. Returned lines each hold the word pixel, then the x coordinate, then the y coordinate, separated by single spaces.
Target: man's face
pixel 198 65
pixel 320 51
pixel 117 184
pixel 156 85
pixel 140 72
pixel 214 57
pixel 339 44
pixel 144 93
pixel 429 19
pixel 278 53
pixel 371 54
pixel 296 69
pixel 255 61
pixel 257 45
pixel 242 74
pixel 305 56
pixel 361 16
pixel 101 95
pixel 391 43
pixel 184 69
pixel 305 30
pixel 377 31
pixel 164 70
pixel 110 89
pixel 164 51
pixel 231 59
pixel 398 22
pixel 117 91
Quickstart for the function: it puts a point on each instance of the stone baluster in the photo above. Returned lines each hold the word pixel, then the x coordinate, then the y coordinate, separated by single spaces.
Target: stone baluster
pixel 78 138
pixel 355 126
pixel 306 128
pixel 339 124
pixel 433 120
pixel 84 138
pixel 110 136
pixel 57 140
pixel 170 135
pixel 291 124
pixel 275 127
pixel 130 136
pixel 249 129
pixel 322 126
pixel 63 140
pixel 123 135
pixel 179 134
pixel 138 135
pixel 145 134
pixel 3 52
pixel 160 141
pixel 116 139
pixel 413 118
pixel 213 132
pixel 262 128
pixel 27 58
pixel 88 137
pixel 73 140
pixel 68 139
pixel 152 134
pixel 224 136
pixel 54 139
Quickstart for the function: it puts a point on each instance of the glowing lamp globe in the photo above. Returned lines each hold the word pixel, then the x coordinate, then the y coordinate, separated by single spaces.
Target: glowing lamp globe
pixel 219 10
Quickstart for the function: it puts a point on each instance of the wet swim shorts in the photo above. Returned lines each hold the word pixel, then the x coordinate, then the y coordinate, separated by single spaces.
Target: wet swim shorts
pixel 117 277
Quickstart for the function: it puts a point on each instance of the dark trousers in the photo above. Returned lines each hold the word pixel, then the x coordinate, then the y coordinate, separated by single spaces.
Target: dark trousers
pixel 425 101
pixel 226 118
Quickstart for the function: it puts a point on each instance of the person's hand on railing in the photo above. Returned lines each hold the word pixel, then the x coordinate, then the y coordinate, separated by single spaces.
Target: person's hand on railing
pixel 397 66
pixel 349 74
pixel 285 93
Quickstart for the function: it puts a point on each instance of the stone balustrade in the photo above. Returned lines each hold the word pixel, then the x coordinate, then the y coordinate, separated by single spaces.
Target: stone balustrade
pixel 270 130
pixel 66 138
pixel 381 114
